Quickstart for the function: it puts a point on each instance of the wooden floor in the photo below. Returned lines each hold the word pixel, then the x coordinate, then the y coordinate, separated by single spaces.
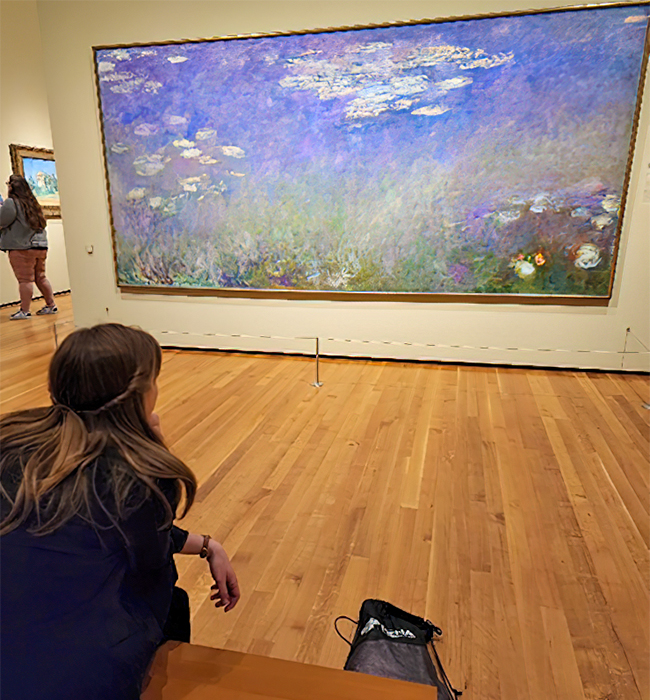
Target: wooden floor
pixel 509 506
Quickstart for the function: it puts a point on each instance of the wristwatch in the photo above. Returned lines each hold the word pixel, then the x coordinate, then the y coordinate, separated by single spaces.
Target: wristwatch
pixel 204 550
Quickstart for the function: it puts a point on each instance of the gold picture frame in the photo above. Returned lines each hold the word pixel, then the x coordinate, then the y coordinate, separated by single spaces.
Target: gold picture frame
pixel 37 165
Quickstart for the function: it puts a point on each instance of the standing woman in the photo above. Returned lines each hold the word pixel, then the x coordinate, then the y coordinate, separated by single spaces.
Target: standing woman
pixel 89 493
pixel 22 234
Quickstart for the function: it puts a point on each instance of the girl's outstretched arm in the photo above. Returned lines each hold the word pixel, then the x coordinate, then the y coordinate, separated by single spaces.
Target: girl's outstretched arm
pixel 225 590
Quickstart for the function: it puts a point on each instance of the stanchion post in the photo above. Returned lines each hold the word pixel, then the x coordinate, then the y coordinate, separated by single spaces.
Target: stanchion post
pixel 627 334
pixel 318 382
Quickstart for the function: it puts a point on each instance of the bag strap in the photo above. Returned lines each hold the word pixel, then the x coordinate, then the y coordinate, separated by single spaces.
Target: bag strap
pixel 336 627
pixel 445 679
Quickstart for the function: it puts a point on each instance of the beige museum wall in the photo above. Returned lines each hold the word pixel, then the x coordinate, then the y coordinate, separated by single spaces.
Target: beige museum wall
pixel 24 119
pixel 70 29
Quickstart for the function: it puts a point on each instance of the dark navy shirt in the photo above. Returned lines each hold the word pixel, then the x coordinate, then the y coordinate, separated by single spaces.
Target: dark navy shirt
pixel 82 609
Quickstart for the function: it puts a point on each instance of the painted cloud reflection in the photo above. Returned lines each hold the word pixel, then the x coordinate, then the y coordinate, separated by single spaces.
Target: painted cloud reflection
pixel 474 156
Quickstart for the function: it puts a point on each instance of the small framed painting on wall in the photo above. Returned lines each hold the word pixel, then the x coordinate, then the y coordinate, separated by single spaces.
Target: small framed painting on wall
pixel 37 166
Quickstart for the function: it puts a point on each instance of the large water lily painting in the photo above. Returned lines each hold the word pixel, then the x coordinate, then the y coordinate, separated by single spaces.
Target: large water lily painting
pixel 485 156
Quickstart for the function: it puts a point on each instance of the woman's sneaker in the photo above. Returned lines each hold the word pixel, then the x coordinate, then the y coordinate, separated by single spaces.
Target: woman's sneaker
pixel 20 315
pixel 46 310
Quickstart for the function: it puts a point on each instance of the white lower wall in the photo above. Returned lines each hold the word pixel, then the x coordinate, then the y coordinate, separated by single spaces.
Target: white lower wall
pixel 491 333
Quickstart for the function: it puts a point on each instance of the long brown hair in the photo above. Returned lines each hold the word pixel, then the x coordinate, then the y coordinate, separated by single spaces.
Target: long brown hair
pixel 98 379
pixel 20 191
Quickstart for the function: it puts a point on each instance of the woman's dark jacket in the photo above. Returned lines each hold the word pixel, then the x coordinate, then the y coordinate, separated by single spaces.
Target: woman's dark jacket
pixel 82 610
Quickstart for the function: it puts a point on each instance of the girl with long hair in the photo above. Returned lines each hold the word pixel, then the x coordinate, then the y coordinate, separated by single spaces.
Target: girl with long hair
pixel 22 235
pixel 89 493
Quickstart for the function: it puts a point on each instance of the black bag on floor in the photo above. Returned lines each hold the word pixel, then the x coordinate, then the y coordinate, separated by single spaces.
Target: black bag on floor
pixel 392 643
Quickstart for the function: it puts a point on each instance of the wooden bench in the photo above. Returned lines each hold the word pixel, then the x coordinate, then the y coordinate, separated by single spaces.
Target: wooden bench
pixel 190 672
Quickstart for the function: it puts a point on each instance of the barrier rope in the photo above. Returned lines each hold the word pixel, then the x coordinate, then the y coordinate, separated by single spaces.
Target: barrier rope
pixel 395 343
pixel 406 343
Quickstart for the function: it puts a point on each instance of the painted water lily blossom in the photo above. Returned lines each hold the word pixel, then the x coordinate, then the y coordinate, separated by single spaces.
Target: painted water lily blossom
pixel 524 269
pixel 136 194
pixel 587 256
pixel 599 222
pixel 149 165
pixel 611 204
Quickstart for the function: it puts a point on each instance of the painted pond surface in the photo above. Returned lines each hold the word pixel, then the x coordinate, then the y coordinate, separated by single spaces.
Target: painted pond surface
pixel 480 156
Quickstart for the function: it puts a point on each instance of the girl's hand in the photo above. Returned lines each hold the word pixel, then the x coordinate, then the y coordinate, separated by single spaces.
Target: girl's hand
pixel 225 590
pixel 154 424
